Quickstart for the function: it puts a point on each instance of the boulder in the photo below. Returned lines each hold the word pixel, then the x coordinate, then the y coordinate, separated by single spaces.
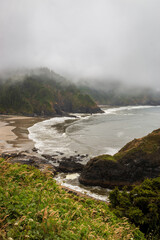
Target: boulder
pixel 35 149
pixel 69 166
pixel 49 157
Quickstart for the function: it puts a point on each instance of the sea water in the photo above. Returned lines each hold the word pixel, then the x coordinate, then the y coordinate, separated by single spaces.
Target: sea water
pixel 94 135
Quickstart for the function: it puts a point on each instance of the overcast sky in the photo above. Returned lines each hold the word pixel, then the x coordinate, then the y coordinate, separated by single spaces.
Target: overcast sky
pixel 111 39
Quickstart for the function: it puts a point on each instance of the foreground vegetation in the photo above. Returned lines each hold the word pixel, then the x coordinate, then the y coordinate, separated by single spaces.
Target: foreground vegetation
pixel 32 206
pixel 141 206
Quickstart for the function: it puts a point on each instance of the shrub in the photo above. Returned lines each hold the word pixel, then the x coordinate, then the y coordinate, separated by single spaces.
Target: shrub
pixel 141 206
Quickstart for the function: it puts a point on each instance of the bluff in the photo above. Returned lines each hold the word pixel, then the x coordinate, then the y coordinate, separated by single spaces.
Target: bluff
pixel 137 160
pixel 44 93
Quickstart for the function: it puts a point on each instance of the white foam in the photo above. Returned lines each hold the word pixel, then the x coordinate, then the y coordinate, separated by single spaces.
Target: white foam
pixel 111 151
pixel 128 108
pixel 47 138
pixel 72 176
pixel 81 115
pixel 62 180
pixel 86 192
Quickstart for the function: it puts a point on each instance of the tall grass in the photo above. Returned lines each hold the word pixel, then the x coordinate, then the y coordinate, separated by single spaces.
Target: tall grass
pixel 32 206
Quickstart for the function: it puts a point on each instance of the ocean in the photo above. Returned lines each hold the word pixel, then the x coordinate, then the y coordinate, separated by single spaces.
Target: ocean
pixel 93 135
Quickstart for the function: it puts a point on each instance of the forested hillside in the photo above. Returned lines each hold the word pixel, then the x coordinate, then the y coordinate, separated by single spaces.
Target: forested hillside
pixel 42 92
pixel 117 94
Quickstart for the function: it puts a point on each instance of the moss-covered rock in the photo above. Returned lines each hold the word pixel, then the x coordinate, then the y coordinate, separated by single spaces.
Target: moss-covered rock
pixel 137 160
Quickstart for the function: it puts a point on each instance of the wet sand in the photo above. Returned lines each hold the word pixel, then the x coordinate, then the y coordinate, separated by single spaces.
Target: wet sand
pixel 14 133
pixel 14 137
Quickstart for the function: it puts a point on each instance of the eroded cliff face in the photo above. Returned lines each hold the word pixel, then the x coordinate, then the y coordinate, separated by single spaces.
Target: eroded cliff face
pixel 137 160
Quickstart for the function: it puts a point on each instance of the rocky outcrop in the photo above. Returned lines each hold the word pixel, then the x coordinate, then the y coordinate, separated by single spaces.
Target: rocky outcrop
pixel 71 164
pixel 137 160
pixel 25 158
pixel 101 171
pixel 68 166
pixel 46 162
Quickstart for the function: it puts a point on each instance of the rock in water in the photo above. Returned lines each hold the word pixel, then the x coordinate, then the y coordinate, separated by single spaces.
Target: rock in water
pixel 137 160
pixel 69 166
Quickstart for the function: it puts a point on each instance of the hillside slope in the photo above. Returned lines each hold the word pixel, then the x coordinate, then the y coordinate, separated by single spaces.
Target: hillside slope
pixel 137 160
pixel 117 94
pixel 42 92
pixel 33 207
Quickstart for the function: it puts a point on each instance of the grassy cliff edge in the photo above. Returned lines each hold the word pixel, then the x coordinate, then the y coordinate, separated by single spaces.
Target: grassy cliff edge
pixel 136 161
pixel 32 206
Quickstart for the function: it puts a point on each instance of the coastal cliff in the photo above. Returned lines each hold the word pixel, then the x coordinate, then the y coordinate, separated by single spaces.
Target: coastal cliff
pixel 137 160
pixel 42 92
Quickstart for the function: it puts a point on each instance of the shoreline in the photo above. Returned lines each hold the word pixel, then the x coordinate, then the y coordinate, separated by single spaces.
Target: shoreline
pixel 15 137
pixel 14 132
pixel 15 140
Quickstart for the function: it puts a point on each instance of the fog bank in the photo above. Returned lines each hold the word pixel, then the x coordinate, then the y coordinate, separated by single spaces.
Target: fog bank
pixel 114 40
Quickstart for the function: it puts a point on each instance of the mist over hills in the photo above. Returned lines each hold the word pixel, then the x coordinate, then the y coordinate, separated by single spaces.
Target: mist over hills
pixel 116 93
pixel 42 92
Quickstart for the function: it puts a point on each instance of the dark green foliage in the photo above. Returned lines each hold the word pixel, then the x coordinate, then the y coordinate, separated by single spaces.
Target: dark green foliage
pixel 141 206
pixel 42 93
pixel 32 206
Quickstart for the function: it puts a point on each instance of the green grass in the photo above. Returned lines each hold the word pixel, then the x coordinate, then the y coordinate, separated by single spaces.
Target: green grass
pixel 107 157
pixel 32 206
pixel 149 144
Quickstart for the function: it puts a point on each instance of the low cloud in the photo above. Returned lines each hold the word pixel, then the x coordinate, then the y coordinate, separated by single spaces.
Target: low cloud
pixel 105 39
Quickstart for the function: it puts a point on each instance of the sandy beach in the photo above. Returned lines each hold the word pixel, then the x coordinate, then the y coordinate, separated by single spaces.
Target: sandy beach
pixel 14 133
